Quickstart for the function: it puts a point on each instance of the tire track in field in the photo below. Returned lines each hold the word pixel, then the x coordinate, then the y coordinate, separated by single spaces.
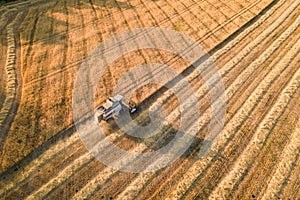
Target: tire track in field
pixel 233 44
pixel 284 168
pixel 74 64
pixel 228 132
pixel 73 29
pixel 37 102
pixel 261 135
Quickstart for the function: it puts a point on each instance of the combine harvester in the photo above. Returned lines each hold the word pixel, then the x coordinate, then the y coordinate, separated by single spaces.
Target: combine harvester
pixel 112 108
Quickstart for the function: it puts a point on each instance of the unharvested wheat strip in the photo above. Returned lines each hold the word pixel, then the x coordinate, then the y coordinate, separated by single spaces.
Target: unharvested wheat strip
pixel 256 144
pixel 284 167
pixel 237 119
pixel 66 172
pixel 25 173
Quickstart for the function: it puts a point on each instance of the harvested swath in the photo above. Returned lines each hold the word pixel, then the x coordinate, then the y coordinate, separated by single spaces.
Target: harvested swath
pixel 94 183
pixel 66 173
pixel 285 166
pixel 17 4
pixel 10 71
pixel 77 165
pixel 62 176
pixel 100 179
pixel 10 68
pixel 231 128
pixel 249 154
pixel 17 179
pixel 291 187
pixel 135 186
pixel 3 18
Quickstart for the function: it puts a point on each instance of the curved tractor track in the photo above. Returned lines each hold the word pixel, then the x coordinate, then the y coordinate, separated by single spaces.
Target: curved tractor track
pixel 256 46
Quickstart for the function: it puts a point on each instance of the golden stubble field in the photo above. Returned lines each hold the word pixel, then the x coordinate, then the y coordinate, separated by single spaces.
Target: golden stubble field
pixel 255 45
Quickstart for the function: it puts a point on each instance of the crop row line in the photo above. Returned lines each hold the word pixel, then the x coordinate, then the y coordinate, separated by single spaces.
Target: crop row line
pixel 261 135
pixel 284 168
pixel 230 129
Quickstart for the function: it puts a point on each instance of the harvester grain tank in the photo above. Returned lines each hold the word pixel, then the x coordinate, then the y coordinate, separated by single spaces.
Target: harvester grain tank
pixel 112 108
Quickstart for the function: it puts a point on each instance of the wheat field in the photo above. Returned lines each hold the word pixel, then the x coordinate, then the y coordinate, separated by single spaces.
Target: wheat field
pixel 255 46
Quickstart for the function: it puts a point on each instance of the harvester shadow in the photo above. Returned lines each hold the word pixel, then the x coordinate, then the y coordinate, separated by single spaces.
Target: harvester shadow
pixel 162 137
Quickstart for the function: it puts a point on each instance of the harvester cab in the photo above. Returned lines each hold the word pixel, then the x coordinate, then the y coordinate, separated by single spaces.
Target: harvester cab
pixel 112 107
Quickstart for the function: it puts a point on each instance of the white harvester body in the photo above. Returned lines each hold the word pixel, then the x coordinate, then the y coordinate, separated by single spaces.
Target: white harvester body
pixel 112 107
